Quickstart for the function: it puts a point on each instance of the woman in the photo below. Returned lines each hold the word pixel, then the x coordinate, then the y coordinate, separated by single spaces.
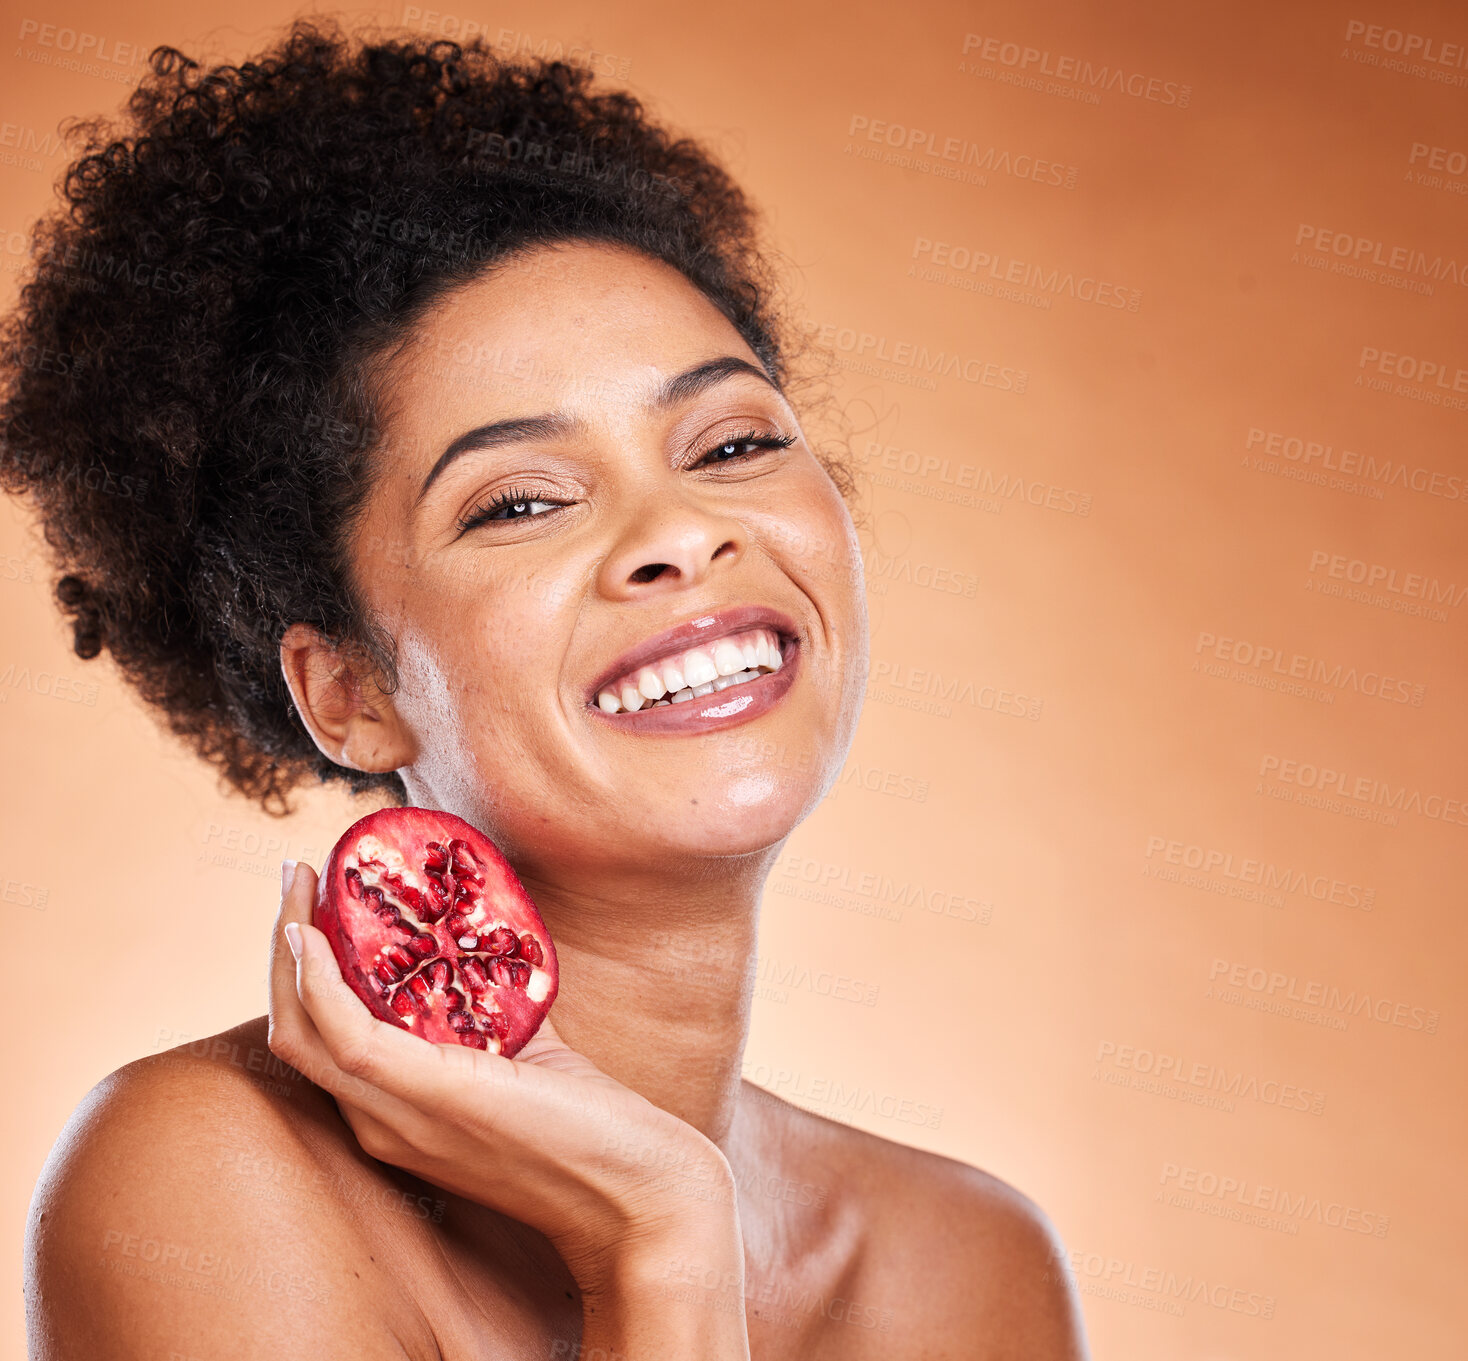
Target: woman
pixel 462 411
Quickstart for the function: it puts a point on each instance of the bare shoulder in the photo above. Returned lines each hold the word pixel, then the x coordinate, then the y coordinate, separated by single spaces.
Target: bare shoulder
pixel 161 1224
pixel 952 1259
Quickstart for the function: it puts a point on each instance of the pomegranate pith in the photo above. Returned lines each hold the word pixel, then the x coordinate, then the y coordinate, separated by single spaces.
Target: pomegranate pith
pixel 434 931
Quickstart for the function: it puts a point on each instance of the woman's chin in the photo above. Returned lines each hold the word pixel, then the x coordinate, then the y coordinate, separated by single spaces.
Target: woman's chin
pixel 655 831
pixel 740 817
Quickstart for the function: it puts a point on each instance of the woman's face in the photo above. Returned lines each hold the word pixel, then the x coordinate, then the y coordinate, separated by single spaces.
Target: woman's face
pixel 544 557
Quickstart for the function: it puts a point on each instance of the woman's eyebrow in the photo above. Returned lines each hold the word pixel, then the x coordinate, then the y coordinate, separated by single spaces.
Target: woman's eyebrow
pixel 556 425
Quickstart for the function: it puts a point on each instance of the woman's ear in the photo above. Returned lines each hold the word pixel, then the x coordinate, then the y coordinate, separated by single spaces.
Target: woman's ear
pixel 352 722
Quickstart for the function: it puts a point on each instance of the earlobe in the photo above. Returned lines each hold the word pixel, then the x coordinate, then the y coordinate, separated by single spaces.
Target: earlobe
pixel 351 720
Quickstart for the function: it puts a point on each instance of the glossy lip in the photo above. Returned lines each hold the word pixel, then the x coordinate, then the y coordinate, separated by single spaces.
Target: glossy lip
pixel 707 627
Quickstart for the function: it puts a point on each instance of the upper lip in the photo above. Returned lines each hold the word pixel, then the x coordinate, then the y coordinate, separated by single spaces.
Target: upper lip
pixel 703 627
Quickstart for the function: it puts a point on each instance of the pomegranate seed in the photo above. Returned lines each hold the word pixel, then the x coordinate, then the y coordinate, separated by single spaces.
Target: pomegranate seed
pixel 418 986
pixel 437 902
pixel 457 925
pixel 498 1023
pixel 388 971
pixel 401 957
pixel 508 972
pixel 439 973
pixel 463 857
pixel 424 946
pixel 402 1003
pixel 502 941
pixel 373 895
pixel 461 1021
pixel 454 998
pixel 354 880
pixel 390 915
pixel 437 859
pixel 474 1040
pixel 413 898
pixel 474 974
pixel 530 948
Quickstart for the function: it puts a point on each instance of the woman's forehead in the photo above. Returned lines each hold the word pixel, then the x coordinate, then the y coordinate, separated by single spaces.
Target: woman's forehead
pixel 577 328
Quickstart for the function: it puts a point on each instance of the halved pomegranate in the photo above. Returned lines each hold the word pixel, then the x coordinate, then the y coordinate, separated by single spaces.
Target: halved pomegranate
pixel 435 932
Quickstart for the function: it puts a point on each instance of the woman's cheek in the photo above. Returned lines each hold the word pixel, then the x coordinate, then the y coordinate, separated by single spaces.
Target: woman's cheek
pixel 817 533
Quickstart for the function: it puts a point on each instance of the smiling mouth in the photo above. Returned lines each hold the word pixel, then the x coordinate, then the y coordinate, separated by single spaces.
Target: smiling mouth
pixel 737 659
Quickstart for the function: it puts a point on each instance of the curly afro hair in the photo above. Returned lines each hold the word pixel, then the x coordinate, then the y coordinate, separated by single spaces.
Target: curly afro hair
pixel 185 394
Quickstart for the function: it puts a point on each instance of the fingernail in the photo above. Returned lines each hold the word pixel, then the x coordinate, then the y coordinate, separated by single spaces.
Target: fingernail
pixel 287 875
pixel 293 937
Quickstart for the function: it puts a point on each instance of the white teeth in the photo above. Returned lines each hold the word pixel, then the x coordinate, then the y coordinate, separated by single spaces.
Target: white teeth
pixel 698 667
pixel 724 682
pixel 697 672
pixel 728 657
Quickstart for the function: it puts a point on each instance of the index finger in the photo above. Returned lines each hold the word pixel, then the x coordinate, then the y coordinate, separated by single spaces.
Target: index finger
pixel 298 892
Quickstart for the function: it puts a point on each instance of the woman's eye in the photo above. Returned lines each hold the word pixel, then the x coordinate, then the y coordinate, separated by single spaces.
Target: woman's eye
pixel 507 507
pixel 741 446
pixel 514 510
pixel 730 450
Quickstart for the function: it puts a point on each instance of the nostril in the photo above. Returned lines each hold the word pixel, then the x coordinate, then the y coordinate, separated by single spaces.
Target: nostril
pixel 651 572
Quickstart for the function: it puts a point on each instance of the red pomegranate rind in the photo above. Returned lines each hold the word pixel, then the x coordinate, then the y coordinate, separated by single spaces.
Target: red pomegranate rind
pixel 434 931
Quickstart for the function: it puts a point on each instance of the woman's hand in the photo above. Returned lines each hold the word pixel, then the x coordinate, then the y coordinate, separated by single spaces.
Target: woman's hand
pixel 619 1186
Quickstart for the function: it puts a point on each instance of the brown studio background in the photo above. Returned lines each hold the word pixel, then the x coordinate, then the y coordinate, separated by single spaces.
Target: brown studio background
pixel 1152 555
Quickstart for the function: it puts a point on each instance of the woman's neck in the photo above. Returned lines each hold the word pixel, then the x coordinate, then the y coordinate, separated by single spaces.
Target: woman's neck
pixel 656 982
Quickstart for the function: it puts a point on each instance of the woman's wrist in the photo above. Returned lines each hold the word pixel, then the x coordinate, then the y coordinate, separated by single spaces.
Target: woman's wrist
pixel 677 1295
pixel 693 1216
pixel 672 1283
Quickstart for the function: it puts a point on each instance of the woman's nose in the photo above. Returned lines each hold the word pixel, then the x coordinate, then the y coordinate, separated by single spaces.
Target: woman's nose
pixel 670 549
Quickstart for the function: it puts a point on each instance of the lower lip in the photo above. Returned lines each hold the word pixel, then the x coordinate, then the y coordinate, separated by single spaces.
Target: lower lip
pixel 725 708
